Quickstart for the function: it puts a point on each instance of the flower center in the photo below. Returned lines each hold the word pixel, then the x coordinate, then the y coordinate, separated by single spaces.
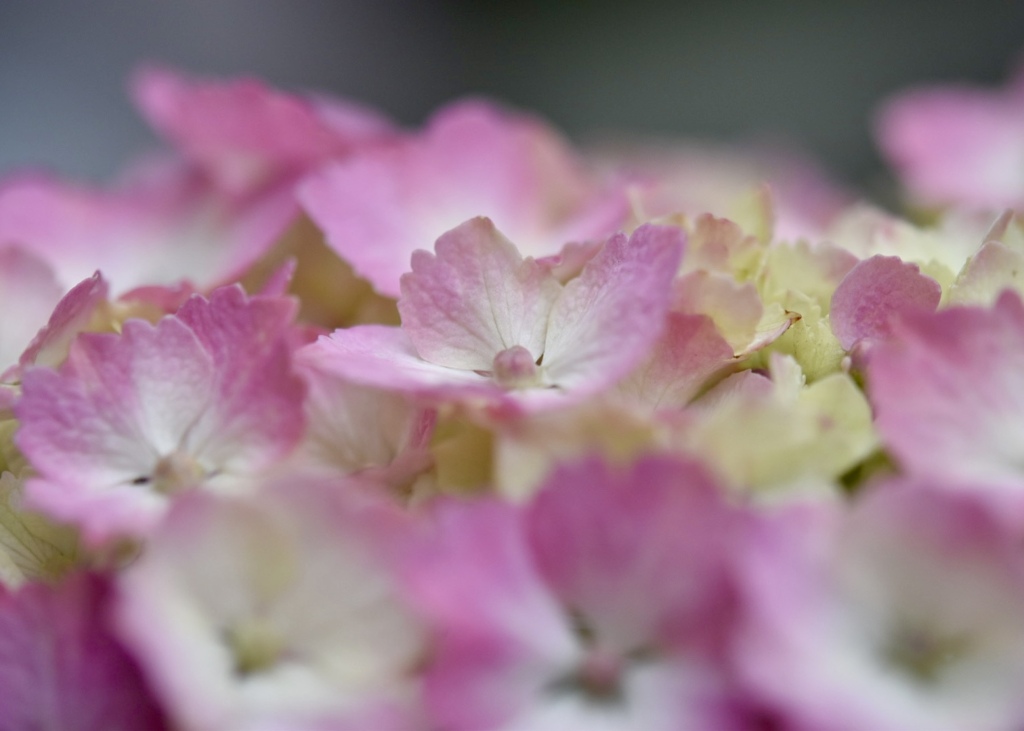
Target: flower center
pixel 255 646
pixel 516 368
pixel 923 654
pixel 173 473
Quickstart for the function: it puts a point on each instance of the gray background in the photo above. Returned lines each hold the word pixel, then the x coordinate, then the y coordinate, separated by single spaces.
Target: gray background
pixel 806 72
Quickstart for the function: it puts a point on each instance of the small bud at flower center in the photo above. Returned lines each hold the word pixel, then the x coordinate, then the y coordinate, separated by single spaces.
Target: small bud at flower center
pixel 516 368
pixel 175 472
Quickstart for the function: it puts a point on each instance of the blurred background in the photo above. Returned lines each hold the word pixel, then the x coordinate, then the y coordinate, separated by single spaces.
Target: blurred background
pixel 807 73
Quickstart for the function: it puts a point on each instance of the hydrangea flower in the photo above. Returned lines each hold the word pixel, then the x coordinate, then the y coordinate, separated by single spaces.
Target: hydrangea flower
pixel 277 609
pixel 481 322
pixel 204 397
pixel 904 612
pixel 601 604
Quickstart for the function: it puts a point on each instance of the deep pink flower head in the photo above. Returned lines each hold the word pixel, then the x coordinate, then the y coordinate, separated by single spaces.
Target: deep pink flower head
pixel 204 397
pixel 245 134
pixel 473 159
pixel 601 604
pixel 62 668
pixel 957 145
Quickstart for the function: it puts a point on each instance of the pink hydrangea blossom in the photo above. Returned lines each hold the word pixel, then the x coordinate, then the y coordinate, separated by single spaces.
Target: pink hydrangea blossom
pixel 278 608
pixel 479 321
pixel 601 604
pixel 204 397
pixel 906 612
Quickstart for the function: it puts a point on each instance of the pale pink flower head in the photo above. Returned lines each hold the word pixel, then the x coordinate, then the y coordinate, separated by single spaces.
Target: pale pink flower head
pixel 473 159
pixel 957 144
pixel 602 604
pixel 275 611
pixel 481 322
pixel 244 134
pixel 62 667
pixel 204 397
pixel 906 612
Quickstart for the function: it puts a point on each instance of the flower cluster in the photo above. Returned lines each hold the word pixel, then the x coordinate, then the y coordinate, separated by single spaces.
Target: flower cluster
pixel 321 424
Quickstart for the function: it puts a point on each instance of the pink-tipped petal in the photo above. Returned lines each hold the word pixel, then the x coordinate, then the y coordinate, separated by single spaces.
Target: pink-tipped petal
pixel 948 393
pixel 71 316
pixel 688 355
pixel 606 320
pixel 641 552
pixel 475 298
pixel 957 145
pixel 501 633
pixel 206 397
pixel 384 357
pixel 156 232
pixel 29 291
pixel 243 132
pixel 874 293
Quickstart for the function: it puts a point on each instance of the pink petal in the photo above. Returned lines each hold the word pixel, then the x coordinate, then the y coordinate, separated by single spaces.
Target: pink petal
pixel 689 354
pixel 501 635
pixel 115 398
pixel 244 133
pixel 212 385
pixel 957 145
pixel 874 293
pixel 841 606
pixel 28 293
pixel 384 357
pixel 606 321
pixel 472 160
pixel 162 231
pixel 310 559
pixel 116 406
pixel 71 316
pixel 948 393
pixel 60 667
pixel 378 434
pixel 640 552
pixel 256 416
pixel 475 298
